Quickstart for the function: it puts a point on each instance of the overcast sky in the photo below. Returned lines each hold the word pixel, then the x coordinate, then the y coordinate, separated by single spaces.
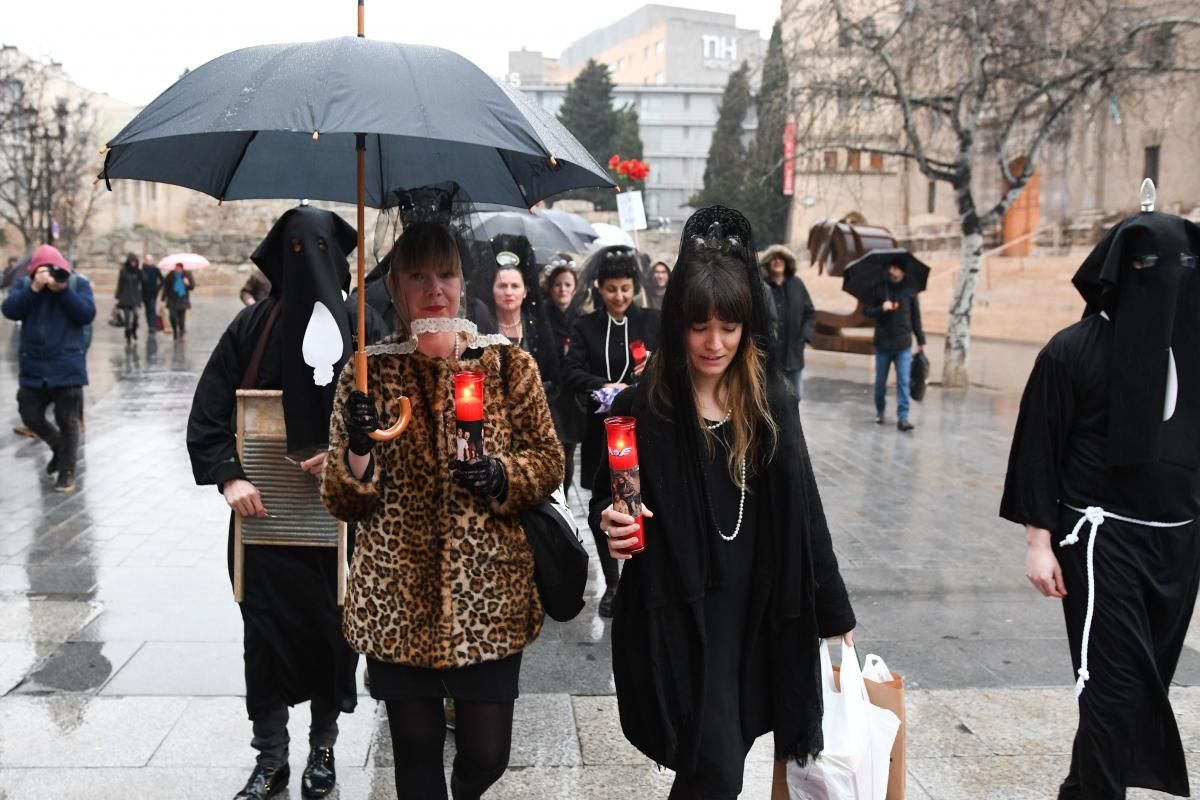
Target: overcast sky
pixel 135 49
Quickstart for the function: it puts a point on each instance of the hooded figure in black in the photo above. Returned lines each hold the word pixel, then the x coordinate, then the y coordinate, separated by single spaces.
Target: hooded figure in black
pixel 717 623
pixel 1103 474
pixel 297 340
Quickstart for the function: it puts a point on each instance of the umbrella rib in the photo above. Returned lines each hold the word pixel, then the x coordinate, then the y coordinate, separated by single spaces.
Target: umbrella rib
pixel 237 164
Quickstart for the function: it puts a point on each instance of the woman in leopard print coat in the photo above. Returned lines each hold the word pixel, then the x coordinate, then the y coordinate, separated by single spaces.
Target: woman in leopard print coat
pixel 441 596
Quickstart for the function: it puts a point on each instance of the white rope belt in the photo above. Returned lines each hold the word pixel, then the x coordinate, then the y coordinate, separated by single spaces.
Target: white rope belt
pixel 1096 516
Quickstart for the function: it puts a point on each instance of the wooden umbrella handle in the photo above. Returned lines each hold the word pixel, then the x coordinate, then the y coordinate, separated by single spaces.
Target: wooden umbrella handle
pixel 360 353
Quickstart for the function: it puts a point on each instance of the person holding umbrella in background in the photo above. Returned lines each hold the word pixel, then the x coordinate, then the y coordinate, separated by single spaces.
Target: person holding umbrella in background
pixel 177 290
pixel 887 281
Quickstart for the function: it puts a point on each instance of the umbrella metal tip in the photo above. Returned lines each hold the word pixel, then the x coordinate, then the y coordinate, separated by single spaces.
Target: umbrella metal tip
pixel 316 136
pixel 553 161
pixel 103 149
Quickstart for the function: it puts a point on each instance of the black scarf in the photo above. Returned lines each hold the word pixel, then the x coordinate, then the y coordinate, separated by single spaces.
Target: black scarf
pixel 1143 275
pixel 304 257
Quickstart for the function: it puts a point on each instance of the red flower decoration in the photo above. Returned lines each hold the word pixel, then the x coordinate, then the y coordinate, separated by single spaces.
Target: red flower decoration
pixel 612 162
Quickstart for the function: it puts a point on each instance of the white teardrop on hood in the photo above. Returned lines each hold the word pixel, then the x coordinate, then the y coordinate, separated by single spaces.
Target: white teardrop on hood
pixel 322 346
pixel 1172 387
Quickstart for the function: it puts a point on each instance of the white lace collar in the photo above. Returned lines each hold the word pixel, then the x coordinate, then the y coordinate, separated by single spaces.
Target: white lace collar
pixel 474 339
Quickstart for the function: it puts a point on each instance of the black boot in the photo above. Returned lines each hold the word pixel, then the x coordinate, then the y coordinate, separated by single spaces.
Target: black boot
pixel 606 602
pixel 319 774
pixel 264 782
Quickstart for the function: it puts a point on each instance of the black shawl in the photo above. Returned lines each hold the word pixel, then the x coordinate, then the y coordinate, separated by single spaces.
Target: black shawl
pixel 658 627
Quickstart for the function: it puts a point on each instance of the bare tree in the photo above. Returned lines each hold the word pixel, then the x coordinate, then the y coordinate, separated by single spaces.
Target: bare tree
pixel 972 92
pixel 47 152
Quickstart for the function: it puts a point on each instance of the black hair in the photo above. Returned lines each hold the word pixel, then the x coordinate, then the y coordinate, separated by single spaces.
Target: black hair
pixel 620 263
pixel 716 285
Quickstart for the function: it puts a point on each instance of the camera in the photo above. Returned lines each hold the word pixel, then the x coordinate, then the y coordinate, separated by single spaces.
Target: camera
pixel 59 274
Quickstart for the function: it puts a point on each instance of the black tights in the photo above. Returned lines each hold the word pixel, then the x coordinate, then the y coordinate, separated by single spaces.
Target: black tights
pixel 483 736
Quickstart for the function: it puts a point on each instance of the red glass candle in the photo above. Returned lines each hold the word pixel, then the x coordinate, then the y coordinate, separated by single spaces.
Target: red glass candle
pixel 468 414
pixel 624 472
pixel 637 349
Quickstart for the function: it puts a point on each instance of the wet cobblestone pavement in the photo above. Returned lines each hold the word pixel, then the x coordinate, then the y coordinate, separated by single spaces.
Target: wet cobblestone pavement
pixel 120 644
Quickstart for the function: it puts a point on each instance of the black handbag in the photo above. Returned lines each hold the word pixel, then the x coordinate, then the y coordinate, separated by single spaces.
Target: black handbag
pixel 918 376
pixel 560 563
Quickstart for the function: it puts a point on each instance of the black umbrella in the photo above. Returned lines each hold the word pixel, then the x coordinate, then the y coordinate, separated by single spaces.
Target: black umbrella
pixel 542 232
pixel 865 274
pixel 573 224
pixel 283 121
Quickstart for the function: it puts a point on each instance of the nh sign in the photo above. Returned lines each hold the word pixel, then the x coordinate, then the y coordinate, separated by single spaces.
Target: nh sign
pixel 719 48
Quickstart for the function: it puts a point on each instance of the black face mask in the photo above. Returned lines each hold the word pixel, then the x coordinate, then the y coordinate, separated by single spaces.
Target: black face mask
pixel 1143 275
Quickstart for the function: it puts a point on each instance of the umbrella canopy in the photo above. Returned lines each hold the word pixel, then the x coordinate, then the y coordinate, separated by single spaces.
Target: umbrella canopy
pixel 188 260
pixel 865 274
pixel 545 236
pixel 608 235
pixel 280 121
pixel 573 224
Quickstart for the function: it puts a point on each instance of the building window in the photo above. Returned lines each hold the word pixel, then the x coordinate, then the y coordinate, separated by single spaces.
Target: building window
pixel 687 132
pixel 854 160
pixel 831 160
pixel 931 197
pixel 867 102
pixel 843 103
pixel 868 29
pixel 1150 169
pixel 659 47
pixel 646 52
pixel 659 79
pixel 877 161
pixel 687 102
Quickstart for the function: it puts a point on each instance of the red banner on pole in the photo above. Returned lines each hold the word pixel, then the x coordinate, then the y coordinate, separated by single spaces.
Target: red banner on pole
pixel 789 155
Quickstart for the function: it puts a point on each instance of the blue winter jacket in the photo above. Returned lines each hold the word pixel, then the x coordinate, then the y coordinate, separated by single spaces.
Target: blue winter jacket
pixel 53 331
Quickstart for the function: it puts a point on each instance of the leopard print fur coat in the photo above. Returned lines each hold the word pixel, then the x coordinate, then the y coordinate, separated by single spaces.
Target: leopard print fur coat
pixel 441 578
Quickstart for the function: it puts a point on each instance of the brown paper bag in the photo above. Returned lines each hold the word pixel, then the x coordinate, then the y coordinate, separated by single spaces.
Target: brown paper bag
pixel 888 695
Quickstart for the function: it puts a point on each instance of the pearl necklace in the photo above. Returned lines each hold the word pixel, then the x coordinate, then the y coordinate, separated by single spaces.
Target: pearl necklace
pixel 623 325
pixel 742 496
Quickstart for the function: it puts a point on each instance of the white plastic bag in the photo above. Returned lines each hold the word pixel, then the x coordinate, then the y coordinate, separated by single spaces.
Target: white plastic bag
pixel 858 740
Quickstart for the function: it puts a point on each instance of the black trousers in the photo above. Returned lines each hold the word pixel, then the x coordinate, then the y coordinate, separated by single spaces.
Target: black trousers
pixel 63 435
pixel 178 322
pixel 151 313
pixel 1146 581
pixel 271 733
pixel 129 316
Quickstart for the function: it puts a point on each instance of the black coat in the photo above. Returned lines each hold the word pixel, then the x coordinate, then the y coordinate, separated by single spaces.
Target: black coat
pixel 894 330
pixel 584 369
pixel 567 407
pixel 797 321
pixel 658 637
pixel 152 281
pixel 129 287
pixel 294 650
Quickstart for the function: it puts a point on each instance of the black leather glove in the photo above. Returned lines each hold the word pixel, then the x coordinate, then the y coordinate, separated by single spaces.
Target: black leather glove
pixel 483 477
pixel 360 418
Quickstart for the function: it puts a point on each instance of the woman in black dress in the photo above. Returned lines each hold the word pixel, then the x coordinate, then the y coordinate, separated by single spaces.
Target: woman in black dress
pixel 718 621
pixel 562 309
pixel 601 355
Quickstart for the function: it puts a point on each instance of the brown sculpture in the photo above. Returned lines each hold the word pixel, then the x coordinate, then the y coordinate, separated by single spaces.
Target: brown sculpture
pixel 832 244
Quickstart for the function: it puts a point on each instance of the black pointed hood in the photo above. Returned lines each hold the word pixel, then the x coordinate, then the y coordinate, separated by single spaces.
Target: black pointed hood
pixel 304 256
pixel 1142 275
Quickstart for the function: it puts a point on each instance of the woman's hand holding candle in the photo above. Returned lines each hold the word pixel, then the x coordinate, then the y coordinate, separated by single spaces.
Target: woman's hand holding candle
pixel 621 530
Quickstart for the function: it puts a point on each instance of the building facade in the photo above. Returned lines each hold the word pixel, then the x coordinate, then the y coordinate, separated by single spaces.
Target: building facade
pixel 1088 173
pixel 669 63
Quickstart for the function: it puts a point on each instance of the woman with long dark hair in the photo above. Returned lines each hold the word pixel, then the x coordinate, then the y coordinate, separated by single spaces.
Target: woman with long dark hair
pixel 562 309
pixel 718 621
pixel 602 355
